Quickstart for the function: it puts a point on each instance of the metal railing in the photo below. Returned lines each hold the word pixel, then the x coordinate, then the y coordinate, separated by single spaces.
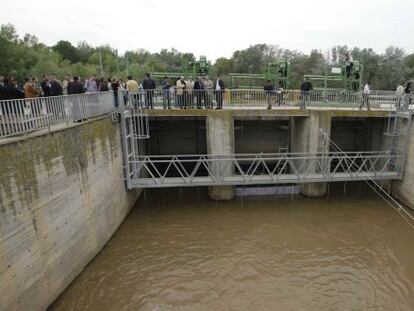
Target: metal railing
pixel 246 169
pixel 24 115
pixel 240 98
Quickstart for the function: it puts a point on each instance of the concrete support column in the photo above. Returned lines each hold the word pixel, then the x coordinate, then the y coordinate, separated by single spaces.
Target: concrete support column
pixel 307 136
pixel 220 141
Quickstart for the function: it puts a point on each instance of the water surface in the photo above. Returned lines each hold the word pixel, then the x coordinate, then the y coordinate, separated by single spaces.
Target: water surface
pixel 181 251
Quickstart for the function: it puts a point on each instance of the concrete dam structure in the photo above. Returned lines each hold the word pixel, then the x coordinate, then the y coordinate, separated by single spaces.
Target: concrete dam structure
pixel 65 190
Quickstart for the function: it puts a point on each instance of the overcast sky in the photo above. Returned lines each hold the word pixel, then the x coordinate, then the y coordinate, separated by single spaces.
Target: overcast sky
pixel 216 28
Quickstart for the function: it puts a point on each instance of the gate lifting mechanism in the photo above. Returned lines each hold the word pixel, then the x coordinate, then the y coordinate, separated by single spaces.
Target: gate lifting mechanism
pixel 156 171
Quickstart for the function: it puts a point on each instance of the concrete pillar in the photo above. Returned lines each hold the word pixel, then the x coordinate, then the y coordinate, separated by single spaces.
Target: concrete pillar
pixel 306 136
pixel 220 141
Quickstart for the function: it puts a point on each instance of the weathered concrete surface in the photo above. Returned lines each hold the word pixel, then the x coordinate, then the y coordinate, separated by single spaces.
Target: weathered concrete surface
pixel 404 190
pixel 220 141
pixel 266 136
pixel 307 136
pixel 185 135
pixel 62 196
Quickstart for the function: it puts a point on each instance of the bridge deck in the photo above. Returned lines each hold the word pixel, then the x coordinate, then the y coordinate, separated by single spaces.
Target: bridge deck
pixel 257 179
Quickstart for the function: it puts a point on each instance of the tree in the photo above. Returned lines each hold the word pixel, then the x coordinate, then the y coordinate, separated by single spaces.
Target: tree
pixel 8 32
pixel 30 40
pixel 67 51
pixel 223 66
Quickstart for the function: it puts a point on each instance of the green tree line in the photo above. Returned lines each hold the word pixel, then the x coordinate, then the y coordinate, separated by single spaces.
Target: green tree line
pixel 25 55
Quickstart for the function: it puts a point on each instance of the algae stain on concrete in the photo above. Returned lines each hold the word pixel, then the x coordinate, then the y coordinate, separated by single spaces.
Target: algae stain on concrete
pixel 74 148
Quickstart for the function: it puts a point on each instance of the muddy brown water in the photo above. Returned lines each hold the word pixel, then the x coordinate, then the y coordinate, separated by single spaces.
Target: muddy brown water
pixel 181 251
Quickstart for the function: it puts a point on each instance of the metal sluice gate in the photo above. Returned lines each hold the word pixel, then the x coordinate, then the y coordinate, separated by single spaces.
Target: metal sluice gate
pixel 158 171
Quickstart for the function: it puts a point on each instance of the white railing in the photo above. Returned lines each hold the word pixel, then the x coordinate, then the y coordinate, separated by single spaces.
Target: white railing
pixel 24 115
pixel 259 98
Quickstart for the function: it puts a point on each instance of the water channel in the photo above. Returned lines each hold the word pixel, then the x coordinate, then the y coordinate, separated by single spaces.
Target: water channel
pixel 178 250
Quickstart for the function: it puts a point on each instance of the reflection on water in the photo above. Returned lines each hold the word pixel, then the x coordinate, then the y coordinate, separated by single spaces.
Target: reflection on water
pixel 185 252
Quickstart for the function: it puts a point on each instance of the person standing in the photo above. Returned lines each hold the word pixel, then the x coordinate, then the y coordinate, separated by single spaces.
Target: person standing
pixel 199 92
pixel 65 83
pixel 78 106
pixel 29 89
pixel 8 91
pixel 365 95
pixel 268 88
pixel 45 85
pixel 398 94
pixel 132 88
pixel 149 86
pixel 114 88
pixel 208 88
pixel 103 85
pixel 219 91
pixel 166 98
pixel 180 87
pixel 131 85
pixel 75 87
pixel 55 86
pixel 349 64
pixel 305 89
pixel 279 93
pixel 90 85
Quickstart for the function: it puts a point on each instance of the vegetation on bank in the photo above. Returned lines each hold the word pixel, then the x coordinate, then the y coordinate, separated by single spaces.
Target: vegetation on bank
pixel 25 55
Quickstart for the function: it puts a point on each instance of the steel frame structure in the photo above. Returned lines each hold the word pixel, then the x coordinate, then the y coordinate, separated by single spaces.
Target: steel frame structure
pixel 159 171
pixel 247 169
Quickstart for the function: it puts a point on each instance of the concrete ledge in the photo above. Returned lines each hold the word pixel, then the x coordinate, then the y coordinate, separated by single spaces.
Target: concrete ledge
pixel 261 112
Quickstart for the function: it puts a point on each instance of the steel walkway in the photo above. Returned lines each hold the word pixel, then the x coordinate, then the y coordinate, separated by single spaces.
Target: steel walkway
pixel 250 169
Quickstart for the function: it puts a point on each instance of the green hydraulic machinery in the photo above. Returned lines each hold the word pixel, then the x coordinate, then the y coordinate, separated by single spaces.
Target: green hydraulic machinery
pixel 277 73
pixel 193 69
pixel 338 78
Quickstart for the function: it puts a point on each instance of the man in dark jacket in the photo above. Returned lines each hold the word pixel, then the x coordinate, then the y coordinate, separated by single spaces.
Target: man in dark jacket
pixel 7 92
pixel 149 86
pixel 166 99
pixel 219 91
pixel 45 85
pixel 269 89
pixel 55 87
pixel 199 92
pixel 305 89
pixel 75 87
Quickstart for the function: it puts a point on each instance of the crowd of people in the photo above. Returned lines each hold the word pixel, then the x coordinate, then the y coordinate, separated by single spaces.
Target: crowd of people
pixel 180 93
pixel 176 92
pixel 49 85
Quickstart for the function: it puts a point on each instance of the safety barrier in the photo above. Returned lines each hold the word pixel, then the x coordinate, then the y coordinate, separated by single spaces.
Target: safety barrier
pixel 240 98
pixel 24 115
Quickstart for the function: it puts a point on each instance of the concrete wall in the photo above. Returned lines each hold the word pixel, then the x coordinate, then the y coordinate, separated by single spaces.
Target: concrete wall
pixel 62 196
pixel 178 135
pixel 404 190
pixel 350 134
pixel 266 136
pixel 220 141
